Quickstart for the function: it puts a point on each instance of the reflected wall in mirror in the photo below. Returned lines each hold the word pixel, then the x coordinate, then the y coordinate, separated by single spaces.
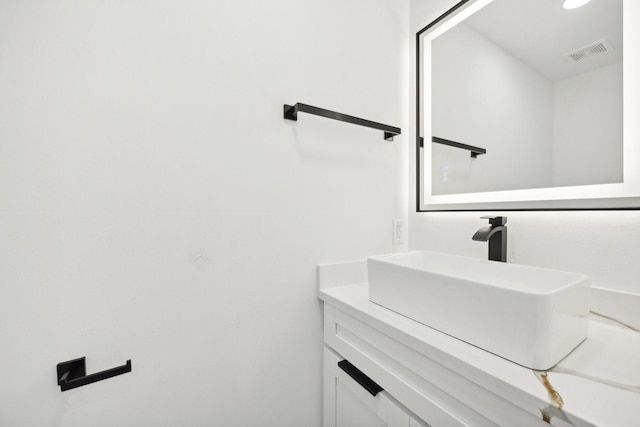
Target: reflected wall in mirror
pixel 536 85
pixel 540 88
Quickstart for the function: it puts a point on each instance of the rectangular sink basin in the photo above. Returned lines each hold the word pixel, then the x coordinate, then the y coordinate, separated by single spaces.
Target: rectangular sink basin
pixel 530 316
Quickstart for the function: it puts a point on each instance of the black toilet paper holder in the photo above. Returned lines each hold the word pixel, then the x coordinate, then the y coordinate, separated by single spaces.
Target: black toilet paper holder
pixel 73 373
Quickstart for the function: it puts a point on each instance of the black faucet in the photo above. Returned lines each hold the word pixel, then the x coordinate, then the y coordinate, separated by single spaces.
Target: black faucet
pixel 496 235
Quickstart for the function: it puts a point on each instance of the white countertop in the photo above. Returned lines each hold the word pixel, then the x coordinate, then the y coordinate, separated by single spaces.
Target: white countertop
pixel 596 384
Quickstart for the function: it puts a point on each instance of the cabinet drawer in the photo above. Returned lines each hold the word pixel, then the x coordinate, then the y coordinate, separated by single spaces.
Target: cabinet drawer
pixel 348 404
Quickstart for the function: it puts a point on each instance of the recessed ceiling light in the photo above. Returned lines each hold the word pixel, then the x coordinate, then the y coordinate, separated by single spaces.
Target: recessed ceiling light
pixel 572 4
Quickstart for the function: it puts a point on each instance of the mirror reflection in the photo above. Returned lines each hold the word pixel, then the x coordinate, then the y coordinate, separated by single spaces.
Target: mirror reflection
pixel 537 86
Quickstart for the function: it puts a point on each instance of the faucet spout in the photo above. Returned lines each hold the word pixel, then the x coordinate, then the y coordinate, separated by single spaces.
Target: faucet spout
pixel 496 235
pixel 485 233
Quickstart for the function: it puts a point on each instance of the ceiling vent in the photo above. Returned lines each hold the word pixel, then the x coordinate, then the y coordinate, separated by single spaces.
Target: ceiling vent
pixel 597 48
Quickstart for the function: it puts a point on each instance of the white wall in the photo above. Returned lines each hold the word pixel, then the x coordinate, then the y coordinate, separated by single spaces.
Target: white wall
pixel 484 96
pixel 603 244
pixel 587 128
pixel 154 205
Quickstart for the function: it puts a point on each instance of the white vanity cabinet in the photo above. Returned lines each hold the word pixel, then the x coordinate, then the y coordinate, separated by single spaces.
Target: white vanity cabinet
pixel 419 389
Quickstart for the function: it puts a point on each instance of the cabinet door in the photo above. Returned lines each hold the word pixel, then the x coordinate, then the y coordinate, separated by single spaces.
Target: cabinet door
pixel 348 404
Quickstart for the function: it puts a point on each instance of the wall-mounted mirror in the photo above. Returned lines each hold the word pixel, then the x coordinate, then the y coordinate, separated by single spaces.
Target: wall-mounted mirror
pixel 525 104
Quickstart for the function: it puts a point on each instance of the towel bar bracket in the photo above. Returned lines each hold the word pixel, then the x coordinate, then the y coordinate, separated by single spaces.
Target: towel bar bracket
pixel 290 112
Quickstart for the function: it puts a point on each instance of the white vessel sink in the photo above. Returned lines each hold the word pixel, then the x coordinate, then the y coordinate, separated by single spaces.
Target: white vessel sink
pixel 531 316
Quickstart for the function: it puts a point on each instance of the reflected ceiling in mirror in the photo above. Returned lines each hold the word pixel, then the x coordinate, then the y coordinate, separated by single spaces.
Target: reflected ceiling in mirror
pixel 539 90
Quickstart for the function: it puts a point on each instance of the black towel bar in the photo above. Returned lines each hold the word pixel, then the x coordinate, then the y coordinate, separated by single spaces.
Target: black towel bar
pixel 475 151
pixel 291 113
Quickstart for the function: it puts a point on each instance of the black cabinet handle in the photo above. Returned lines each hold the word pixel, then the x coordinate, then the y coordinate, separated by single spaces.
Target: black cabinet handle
pixel 367 383
pixel 73 373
